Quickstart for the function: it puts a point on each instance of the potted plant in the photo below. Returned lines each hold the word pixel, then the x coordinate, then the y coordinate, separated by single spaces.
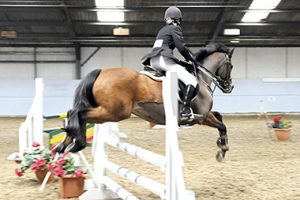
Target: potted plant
pixel 281 128
pixel 70 175
pixel 37 158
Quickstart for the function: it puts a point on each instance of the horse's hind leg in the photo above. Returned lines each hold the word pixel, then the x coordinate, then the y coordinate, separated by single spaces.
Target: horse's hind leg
pixel 115 114
pixel 75 139
pixel 60 147
pixel 214 119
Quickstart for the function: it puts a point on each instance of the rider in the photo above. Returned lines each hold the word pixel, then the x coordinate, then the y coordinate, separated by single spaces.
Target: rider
pixel 161 57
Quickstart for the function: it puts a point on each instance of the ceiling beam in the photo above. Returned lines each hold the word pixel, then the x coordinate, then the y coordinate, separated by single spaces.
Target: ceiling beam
pixel 194 6
pixel 126 8
pixel 141 44
pixel 142 23
pixel 69 20
pixel 218 24
pixel 148 39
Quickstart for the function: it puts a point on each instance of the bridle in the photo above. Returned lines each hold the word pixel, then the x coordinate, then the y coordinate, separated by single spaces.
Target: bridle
pixel 225 81
pixel 222 82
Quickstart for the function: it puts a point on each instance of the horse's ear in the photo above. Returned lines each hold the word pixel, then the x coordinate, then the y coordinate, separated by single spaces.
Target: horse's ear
pixel 231 52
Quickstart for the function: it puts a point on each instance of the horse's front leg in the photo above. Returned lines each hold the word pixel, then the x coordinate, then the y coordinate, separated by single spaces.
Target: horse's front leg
pixel 214 119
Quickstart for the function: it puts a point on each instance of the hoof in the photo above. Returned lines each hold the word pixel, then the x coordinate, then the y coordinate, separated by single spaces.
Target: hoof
pixel 70 148
pixel 59 148
pixel 74 147
pixel 220 156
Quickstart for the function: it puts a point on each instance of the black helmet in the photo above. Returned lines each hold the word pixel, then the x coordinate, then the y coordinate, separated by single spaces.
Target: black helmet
pixel 174 13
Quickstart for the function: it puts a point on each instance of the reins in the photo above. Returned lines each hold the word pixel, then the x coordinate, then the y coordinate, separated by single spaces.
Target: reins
pixel 215 79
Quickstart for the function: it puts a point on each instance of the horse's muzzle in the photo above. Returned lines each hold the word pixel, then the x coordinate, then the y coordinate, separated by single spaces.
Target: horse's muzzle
pixel 227 88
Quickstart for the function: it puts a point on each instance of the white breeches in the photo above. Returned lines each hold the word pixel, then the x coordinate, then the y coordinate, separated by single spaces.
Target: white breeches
pixel 168 64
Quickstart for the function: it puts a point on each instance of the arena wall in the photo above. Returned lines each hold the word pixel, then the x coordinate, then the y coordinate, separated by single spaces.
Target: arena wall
pixel 271 75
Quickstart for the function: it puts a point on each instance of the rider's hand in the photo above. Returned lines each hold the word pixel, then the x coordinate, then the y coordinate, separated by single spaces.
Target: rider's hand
pixel 193 60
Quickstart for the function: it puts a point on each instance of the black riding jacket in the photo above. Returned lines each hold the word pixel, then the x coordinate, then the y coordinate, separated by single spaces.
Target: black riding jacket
pixel 168 37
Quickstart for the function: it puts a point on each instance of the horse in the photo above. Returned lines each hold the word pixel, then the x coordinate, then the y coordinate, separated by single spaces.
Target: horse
pixel 114 94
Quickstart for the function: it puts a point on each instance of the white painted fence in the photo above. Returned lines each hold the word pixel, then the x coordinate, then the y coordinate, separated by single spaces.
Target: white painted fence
pixel 31 130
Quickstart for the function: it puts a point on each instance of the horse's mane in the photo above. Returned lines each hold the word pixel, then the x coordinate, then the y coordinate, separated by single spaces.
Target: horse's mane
pixel 209 49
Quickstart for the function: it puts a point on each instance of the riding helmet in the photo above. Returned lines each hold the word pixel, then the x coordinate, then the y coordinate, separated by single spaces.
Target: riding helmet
pixel 174 13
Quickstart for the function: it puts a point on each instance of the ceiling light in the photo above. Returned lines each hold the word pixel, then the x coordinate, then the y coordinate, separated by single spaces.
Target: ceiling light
pixel 259 8
pixel 235 40
pixel 109 3
pixel 232 31
pixel 110 15
pixel 264 4
pixel 254 16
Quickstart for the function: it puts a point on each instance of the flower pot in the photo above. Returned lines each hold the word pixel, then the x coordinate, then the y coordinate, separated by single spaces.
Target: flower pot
pixel 282 134
pixel 70 186
pixel 40 175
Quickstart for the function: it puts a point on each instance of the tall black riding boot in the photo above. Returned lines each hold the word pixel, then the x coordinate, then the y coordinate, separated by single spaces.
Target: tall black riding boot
pixel 188 94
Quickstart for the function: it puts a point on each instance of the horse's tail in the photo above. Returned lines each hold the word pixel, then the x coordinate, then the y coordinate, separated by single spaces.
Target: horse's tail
pixel 84 100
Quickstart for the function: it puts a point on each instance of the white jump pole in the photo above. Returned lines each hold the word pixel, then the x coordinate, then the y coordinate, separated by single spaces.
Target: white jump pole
pixel 119 190
pixel 23 140
pixel 136 178
pixel 174 170
pixel 100 181
pixel 138 152
pixel 38 112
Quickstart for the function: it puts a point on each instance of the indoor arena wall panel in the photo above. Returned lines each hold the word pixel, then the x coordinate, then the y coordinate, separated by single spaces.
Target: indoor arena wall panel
pixel 293 62
pixel 266 62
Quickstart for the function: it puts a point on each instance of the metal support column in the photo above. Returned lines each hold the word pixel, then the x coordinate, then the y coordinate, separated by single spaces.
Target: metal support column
pixel 78 61
pixel 34 63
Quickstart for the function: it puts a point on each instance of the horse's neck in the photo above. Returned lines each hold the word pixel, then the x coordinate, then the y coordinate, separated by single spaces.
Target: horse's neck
pixel 211 63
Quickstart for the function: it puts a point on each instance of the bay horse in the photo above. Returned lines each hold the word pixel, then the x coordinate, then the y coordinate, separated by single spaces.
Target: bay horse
pixel 113 94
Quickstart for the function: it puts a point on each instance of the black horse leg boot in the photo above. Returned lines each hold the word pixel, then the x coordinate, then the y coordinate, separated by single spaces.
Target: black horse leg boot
pixel 188 94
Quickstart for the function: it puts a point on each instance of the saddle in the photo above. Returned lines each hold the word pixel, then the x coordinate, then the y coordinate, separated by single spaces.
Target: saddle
pixel 153 73
pixel 158 75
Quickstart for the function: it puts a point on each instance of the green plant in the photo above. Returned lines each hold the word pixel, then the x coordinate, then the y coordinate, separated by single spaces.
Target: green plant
pixel 36 157
pixel 67 164
pixel 280 123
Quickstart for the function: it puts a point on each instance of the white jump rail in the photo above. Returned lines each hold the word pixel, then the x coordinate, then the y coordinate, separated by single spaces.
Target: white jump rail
pixel 172 163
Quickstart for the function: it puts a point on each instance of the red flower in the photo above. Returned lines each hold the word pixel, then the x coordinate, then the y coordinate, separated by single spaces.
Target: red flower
pixel 49 168
pixel 35 144
pixel 79 173
pixel 277 119
pixel 59 171
pixel 41 162
pixel 19 172
pixel 53 153
pixel 61 161
pixel 34 166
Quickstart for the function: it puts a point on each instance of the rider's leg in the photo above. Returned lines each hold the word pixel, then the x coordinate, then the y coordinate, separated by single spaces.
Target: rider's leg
pixel 188 94
pixel 188 79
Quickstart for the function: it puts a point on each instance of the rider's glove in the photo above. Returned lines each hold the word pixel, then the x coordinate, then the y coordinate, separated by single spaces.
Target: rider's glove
pixel 193 60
